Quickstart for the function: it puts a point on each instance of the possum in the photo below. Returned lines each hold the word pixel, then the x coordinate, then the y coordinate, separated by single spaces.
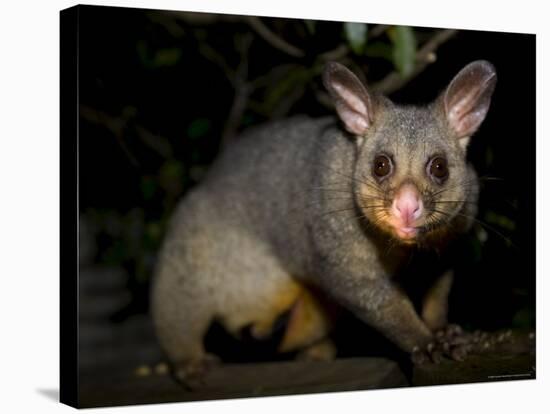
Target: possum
pixel 303 214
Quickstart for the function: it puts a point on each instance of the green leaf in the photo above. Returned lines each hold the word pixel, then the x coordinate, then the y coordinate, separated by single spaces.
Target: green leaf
pixel 379 50
pixel 404 49
pixel 167 57
pixel 310 26
pixel 356 35
pixel 489 156
pixel 296 78
pixel 198 128
pixel 524 319
pixel 143 52
pixel 153 233
pixel 153 59
pixel 500 220
pixel 171 177
pixel 171 169
pixel 148 187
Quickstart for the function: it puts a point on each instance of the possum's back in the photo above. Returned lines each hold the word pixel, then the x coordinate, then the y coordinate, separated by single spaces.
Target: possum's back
pixel 263 180
pixel 265 169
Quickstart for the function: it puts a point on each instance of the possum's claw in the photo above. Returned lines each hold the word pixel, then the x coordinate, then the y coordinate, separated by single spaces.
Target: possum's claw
pixel 450 342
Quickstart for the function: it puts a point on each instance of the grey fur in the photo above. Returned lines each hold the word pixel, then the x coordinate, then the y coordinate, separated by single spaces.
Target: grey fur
pixel 282 206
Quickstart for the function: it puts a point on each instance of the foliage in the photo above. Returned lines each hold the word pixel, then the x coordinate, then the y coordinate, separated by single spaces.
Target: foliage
pixel 157 124
pixel 404 49
pixel 356 36
pixel 171 40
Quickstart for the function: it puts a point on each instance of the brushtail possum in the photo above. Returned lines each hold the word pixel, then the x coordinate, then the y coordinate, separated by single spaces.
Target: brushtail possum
pixel 329 205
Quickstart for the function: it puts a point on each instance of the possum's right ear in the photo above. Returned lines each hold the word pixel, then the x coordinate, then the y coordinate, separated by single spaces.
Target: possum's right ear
pixel 467 98
pixel 351 99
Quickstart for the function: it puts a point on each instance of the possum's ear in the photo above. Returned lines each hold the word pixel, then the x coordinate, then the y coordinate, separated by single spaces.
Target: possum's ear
pixel 351 99
pixel 467 98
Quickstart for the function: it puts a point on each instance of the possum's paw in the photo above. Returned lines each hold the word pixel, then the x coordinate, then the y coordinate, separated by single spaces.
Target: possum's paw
pixel 191 374
pixel 450 342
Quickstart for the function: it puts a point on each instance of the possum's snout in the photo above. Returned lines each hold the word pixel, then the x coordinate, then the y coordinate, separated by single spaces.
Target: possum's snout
pixel 406 212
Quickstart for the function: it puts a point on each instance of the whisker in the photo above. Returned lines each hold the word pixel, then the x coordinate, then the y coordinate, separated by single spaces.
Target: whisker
pixel 490 178
pixel 350 190
pixel 352 194
pixel 326 213
pixel 334 190
pixel 467 183
pixel 370 184
pixel 340 173
pixel 356 217
pixel 454 201
pixel 482 223
pixel 360 200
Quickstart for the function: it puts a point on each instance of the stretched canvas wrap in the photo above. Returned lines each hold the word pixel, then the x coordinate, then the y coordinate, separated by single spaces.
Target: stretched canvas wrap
pixel 257 206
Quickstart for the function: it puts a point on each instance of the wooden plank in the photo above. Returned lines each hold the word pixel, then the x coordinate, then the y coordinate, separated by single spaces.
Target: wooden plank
pixel 118 384
pixel 242 380
pixel 512 360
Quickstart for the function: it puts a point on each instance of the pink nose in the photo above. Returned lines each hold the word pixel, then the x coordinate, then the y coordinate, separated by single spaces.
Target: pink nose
pixel 407 204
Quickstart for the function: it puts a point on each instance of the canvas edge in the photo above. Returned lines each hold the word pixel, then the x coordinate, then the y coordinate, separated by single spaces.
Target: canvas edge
pixel 69 205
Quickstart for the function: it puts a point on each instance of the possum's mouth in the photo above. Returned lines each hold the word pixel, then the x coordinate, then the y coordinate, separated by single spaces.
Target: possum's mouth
pixel 413 234
pixel 407 232
pixel 423 230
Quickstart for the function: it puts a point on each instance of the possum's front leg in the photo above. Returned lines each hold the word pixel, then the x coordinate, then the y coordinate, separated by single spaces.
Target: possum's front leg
pixel 384 306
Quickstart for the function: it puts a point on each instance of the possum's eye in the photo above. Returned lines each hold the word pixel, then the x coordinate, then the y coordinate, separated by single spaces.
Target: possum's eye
pixel 438 170
pixel 382 166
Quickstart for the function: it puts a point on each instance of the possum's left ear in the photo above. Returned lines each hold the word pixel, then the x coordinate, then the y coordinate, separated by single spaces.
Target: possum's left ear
pixel 467 98
pixel 351 99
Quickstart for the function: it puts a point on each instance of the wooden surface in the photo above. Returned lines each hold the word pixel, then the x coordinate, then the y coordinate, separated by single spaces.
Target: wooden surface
pixel 118 361
pixel 512 360
pixel 245 380
pixel 121 385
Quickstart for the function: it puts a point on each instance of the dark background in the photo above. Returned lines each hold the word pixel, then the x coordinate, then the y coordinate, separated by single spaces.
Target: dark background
pixel 162 92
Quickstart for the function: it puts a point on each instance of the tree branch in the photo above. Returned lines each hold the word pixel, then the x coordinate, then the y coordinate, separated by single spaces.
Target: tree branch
pixel 242 92
pixel 272 38
pixel 378 30
pixel 342 50
pixel 424 56
pixel 117 126
pixel 217 58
